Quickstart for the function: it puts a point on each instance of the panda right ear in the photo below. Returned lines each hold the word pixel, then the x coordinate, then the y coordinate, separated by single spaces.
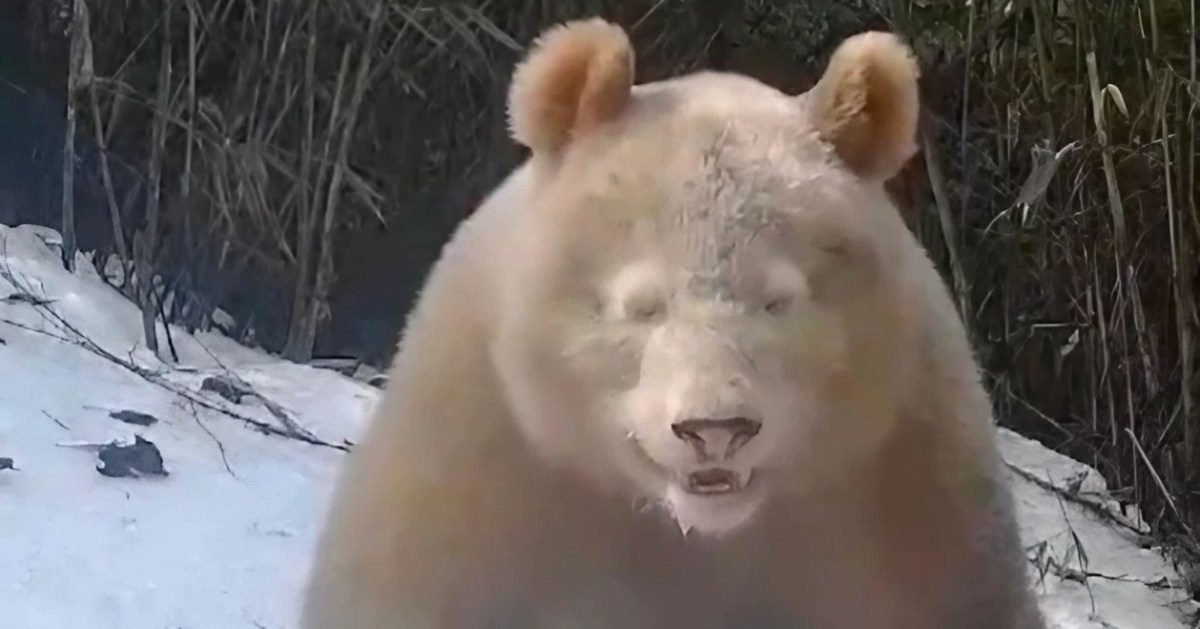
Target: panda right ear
pixel 577 76
pixel 866 104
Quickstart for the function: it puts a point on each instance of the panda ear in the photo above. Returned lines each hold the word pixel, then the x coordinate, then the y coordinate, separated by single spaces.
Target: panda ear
pixel 866 104
pixel 577 76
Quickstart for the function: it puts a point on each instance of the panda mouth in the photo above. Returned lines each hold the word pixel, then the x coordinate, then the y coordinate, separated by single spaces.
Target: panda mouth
pixel 716 481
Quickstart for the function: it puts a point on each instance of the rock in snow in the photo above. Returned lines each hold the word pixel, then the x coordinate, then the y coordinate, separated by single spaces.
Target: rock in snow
pixel 138 459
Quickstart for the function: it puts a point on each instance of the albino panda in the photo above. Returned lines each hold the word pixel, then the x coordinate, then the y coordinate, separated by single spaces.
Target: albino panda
pixel 685 368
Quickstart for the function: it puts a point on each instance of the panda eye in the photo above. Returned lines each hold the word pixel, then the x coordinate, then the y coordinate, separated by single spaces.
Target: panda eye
pixel 638 293
pixel 645 308
pixel 777 305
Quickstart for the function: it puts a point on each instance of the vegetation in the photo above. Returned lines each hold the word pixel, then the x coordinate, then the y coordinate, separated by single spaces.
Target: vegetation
pixel 1062 163
pixel 1057 184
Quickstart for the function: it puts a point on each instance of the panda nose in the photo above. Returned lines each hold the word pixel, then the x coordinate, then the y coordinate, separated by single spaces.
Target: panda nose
pixel 716 438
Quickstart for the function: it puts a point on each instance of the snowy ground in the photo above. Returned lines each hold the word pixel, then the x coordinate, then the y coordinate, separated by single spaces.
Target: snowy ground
pixel 223 541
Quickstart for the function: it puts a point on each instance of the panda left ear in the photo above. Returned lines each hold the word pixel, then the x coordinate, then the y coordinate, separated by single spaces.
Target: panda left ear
pixel 578 76
pixel 866 104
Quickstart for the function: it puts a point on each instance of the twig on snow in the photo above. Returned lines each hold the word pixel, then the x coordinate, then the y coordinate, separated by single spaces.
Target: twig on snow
pixel 56 420
pixel 1097 509
pixel 79 339
pixel 220 446
pixel 274 408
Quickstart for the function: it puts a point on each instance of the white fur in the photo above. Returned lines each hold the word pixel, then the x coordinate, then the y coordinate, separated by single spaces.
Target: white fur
pixel 701 248
pixel 714 517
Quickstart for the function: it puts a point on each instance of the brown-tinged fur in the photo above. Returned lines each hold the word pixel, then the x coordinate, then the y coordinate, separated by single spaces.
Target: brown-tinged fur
pixel 584 84
pixel 626 278
pixel 868 98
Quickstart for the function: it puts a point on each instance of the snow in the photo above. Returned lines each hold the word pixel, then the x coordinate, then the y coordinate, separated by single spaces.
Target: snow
pixel 224 540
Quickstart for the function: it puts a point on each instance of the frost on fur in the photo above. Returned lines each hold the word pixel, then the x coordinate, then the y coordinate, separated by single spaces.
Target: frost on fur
pixel 577 76
pixel 866 104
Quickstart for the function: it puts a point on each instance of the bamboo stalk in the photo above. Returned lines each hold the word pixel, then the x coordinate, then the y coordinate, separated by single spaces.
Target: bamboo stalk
pixel 325 270
pixel 78 76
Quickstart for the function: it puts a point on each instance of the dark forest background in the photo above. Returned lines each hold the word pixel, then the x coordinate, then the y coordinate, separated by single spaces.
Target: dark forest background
pixel 287 170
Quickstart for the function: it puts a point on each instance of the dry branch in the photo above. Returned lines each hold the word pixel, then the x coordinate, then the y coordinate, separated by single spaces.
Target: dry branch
pixel 68 333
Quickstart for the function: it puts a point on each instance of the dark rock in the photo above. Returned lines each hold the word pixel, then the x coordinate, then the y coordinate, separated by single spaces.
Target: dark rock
pixel 142 458
pixel 371 376
pixel 134 417
pixel 226 387
pixel 6 463
pixel 343 365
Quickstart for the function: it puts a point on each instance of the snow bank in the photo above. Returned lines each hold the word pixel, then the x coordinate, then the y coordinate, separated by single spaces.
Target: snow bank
pixel 223 541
